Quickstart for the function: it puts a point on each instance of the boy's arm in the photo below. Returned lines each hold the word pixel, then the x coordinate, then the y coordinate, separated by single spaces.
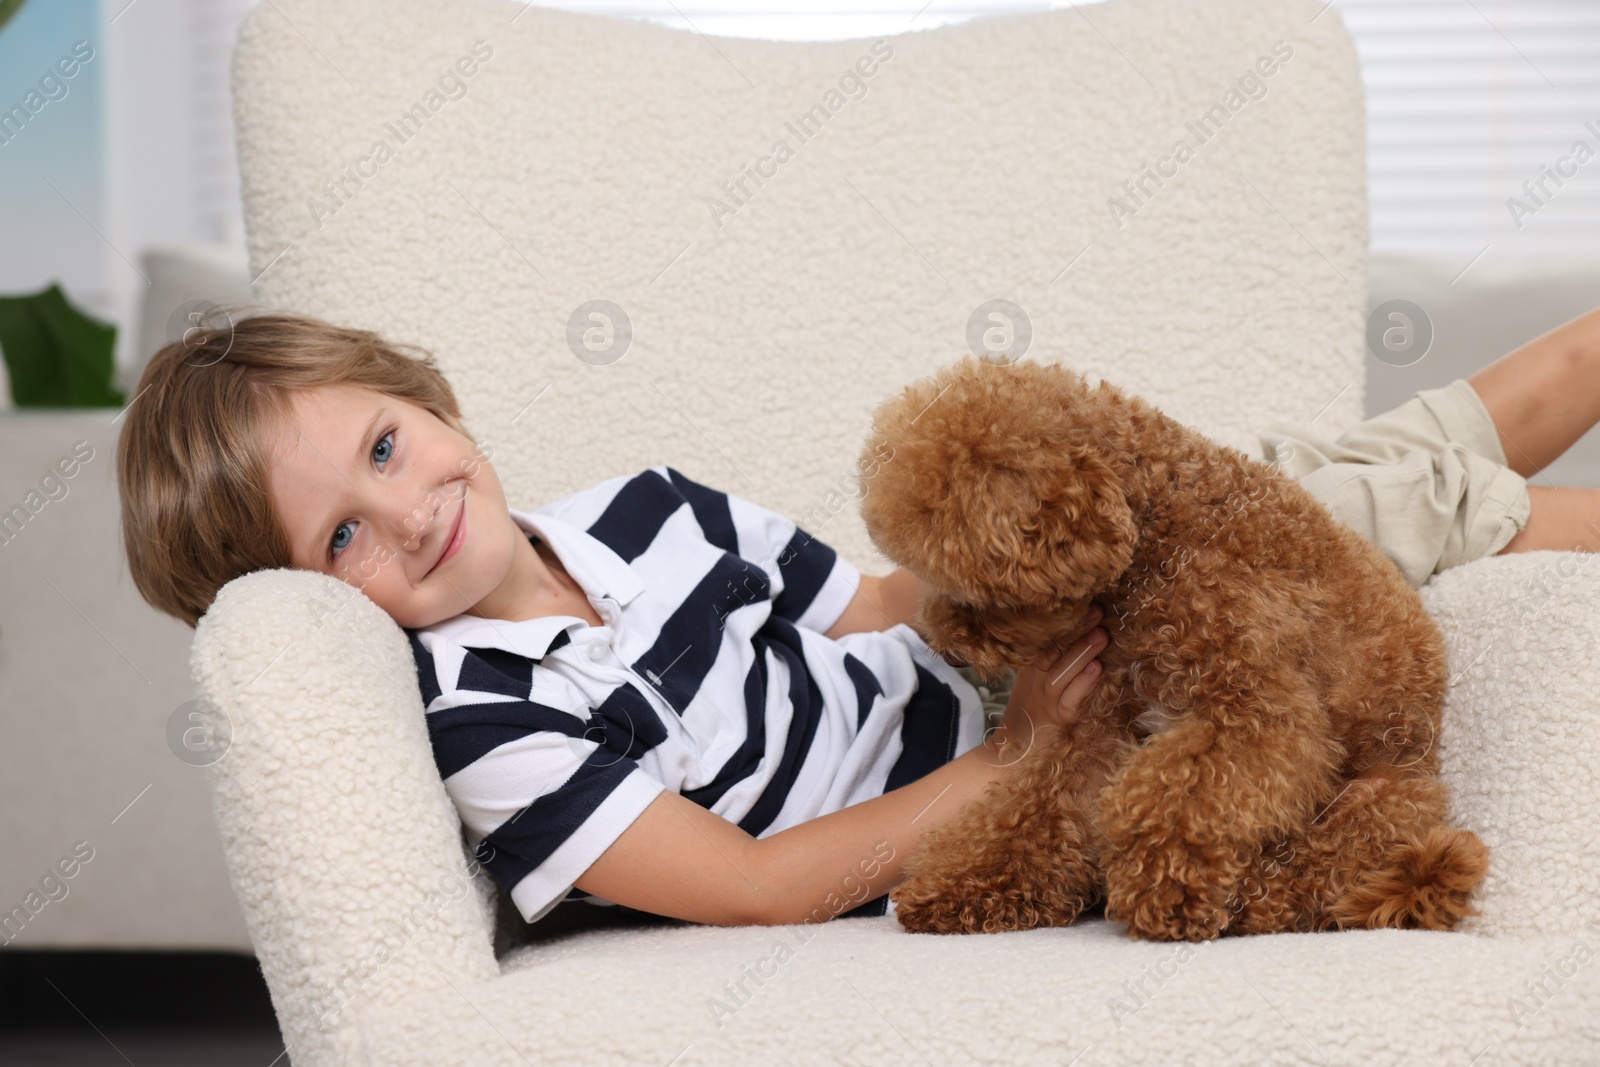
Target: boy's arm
pixel 680 860
pixel 880 603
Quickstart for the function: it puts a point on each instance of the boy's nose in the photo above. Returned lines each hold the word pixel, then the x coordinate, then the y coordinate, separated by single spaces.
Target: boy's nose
pixel 414 522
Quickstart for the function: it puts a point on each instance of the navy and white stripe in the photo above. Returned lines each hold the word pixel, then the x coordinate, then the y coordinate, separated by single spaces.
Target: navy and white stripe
pixel 711 676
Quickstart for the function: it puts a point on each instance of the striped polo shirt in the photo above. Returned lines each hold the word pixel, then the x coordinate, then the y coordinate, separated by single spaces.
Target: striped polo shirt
pixel 711 676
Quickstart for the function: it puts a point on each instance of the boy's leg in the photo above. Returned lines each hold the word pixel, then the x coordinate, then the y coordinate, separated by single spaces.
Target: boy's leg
pixel 1426 482
pixel 1562 518
pixel 1542 397
pixel 1545 395
pixel 1485 435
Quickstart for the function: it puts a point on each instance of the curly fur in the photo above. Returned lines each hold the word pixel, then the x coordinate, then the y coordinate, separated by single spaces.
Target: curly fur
pixel 1259 753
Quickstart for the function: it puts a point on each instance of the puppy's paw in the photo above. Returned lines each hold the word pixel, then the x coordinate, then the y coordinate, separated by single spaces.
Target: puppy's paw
pixel 1171 891
pixel 925 904
pixel 924 909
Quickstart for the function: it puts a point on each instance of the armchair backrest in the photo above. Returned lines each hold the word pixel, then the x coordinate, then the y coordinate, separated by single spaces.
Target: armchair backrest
pixel 1173 195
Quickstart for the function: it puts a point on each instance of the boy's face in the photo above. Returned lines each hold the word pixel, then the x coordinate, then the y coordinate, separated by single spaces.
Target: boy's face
pixel 382 494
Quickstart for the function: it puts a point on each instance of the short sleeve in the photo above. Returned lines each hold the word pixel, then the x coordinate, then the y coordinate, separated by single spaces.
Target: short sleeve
pixel 539 782
pixel 812 584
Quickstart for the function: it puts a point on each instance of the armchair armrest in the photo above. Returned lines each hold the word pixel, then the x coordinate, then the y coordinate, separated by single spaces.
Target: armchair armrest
pixel 1520 747
pixel 341 843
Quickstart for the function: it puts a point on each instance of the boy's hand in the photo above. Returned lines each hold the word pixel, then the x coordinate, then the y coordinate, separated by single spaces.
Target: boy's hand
pixel 1051 692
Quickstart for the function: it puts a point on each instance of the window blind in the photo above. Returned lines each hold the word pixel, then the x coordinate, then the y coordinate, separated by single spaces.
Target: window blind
pixel 1475 113
pixel 213 28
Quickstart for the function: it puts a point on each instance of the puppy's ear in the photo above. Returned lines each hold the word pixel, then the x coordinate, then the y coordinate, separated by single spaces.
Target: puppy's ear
pixel 1068 535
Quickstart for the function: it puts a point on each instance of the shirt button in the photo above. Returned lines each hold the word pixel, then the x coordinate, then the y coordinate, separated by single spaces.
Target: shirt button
pixel 597 651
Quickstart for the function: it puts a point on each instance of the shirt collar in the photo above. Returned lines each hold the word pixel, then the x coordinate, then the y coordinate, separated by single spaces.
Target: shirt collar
pixel 598 570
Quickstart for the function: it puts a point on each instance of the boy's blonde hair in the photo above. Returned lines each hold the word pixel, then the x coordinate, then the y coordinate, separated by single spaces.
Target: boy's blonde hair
pixel 193 457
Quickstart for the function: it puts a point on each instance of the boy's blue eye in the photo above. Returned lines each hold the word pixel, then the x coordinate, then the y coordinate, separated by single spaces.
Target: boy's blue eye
pixel 381 453
pixel 342 535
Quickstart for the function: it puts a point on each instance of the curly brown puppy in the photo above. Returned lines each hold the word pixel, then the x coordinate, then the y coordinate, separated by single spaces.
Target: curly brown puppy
pixel 1259 754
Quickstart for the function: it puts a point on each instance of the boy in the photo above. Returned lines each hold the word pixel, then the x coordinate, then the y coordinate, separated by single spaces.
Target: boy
pixel 648 692
pixel 580 732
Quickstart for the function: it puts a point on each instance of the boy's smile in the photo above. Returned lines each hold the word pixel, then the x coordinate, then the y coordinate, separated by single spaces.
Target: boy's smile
pixel 382 494
pixel 453 537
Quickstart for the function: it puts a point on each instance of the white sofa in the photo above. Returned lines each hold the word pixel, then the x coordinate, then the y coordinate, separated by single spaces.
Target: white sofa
pixel 575 165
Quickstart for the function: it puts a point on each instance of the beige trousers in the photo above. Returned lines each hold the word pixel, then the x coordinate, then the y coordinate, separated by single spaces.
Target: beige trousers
pixel 1426 482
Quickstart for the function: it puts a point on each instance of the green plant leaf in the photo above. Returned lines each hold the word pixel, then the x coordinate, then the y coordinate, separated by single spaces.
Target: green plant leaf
pixel 57 356
pixel 7 9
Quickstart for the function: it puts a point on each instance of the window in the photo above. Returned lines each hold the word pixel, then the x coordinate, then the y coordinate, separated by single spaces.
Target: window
pixel 1474 112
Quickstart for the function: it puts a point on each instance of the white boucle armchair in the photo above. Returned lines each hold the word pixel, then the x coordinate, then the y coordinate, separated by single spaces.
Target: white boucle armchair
pixel 470 175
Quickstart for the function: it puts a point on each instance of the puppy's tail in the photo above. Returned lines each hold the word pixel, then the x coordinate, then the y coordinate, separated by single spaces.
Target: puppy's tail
pixel 1423 885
